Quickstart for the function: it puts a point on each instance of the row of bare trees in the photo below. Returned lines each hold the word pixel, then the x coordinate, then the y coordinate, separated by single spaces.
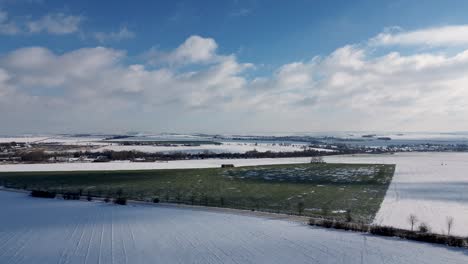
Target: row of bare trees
pixel 423 227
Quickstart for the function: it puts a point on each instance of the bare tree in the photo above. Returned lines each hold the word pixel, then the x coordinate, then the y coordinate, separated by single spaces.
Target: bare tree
pixel 300 207
pixel 349 217
pixel 412 219
pixel 449 224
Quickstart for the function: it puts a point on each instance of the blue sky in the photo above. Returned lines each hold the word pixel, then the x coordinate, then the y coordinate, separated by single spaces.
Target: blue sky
pixel 204 65
pixel 262 32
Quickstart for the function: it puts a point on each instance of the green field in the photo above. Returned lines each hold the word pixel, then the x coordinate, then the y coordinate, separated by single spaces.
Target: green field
pixel 321 189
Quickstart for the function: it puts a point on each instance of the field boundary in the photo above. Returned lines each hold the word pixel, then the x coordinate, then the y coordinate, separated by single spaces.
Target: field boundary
pixel 388 231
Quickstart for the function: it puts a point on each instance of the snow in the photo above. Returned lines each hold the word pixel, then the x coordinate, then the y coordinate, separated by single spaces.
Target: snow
pixel 39 231
pixel 63 140
pixel 126 165
pixel 424 187
pixel 421 185
pixel 225 147
pixel 21 139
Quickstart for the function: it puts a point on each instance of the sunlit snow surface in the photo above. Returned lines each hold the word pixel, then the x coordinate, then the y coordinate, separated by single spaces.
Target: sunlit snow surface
pixel 36 231
pixel 432 186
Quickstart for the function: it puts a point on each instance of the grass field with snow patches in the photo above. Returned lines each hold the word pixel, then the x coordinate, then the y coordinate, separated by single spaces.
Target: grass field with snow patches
pixel 432 186
pixel 311 189
pixel 43 231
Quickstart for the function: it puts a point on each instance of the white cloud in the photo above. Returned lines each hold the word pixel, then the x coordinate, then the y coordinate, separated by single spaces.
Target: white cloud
pixel 122 34
pixel 53 23
pixel 94 82
pixel 57 23
pixel 454 35
pixel 195 49
pixel 358 91
pixel 349 89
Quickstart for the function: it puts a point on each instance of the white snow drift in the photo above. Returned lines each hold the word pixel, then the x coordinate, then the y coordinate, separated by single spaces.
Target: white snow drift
pixel 43 231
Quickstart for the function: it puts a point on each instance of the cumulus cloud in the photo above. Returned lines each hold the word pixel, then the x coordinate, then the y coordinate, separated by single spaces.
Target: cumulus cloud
pixel 194 50
pixel 349 89
pixel 57 23
pixel 454 35
pixel 122 34
pixel 96 82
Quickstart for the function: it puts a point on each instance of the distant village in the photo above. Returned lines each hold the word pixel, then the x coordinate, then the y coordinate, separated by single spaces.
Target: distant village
pixel 13 152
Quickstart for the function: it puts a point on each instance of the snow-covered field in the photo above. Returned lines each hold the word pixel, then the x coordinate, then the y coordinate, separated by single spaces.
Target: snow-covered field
pixel 432 186
pixel 63 140
pixel 22 139
pixel 37 231
pixel 98 144
pixel 225 147
pixel 176 164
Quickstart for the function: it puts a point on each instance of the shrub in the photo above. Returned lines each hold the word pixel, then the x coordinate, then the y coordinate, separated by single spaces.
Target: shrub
pixel 107 199
pixel 341 225
pixel 328 223
pixel 43 194
pixel 71 196
pixel 390 231
pixel 89 198
pixel 156 200
pixel 455 241
pixel 423 228
pixel 313 221
pixel 383 230
pixel 357 227
pixel 38 155
pixel 428 237
pixel 120 200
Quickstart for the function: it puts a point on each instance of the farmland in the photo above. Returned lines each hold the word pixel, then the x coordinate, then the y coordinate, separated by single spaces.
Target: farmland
pixel 431 186
pixel 328 190
pixel 95 232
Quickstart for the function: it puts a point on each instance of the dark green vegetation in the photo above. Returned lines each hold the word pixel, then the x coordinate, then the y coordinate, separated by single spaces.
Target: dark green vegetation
pixel 339 191
pixel 43 194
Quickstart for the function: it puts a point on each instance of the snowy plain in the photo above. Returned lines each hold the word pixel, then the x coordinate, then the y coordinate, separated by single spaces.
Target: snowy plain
pixel 98 144
pixel 37 231
pixel 22 139
pixel 225 147
pixel 432 186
